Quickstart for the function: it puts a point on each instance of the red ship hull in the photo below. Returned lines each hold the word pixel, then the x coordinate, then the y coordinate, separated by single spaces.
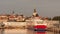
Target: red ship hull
pixel 40 27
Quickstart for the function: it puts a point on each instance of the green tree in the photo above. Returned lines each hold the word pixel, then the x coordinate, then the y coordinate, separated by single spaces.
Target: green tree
pixel 56 18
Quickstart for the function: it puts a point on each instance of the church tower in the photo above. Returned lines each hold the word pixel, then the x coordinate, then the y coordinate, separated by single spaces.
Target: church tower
pixel 35 14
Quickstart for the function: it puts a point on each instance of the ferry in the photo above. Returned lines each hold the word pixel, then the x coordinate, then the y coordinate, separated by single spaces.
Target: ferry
pixel 39 25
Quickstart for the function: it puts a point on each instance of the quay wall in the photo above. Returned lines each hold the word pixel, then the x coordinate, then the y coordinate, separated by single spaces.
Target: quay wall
pixel 52 23
pixel 15 24
pixel 26 24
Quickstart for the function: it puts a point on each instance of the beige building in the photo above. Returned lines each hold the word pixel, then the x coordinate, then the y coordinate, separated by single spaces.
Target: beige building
pixel 3 18
pixel 20 18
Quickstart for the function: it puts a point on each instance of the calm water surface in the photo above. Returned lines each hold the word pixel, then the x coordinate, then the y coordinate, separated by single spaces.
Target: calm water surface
pixel 23 31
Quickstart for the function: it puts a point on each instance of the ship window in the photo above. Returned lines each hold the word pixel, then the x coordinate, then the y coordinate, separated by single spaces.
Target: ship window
pixel 39 22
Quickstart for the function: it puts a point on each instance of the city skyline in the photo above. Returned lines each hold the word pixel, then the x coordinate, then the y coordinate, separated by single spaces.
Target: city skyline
pixel 45 8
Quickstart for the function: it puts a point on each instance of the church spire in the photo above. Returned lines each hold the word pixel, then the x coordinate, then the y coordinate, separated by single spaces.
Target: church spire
pixel 13 12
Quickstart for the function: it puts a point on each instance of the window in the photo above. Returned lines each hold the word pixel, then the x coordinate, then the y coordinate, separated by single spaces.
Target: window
pixel 39 22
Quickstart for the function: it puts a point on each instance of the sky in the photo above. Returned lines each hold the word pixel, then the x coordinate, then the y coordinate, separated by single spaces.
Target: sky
pixel 45 8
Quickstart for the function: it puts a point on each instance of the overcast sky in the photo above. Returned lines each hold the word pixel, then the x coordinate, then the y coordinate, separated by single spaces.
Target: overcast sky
pixel 45 8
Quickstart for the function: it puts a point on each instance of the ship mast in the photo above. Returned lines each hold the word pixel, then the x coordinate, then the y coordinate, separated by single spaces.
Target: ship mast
pixel 13 12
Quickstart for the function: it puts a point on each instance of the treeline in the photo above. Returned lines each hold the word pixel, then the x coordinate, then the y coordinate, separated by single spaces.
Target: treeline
pixel 57 18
